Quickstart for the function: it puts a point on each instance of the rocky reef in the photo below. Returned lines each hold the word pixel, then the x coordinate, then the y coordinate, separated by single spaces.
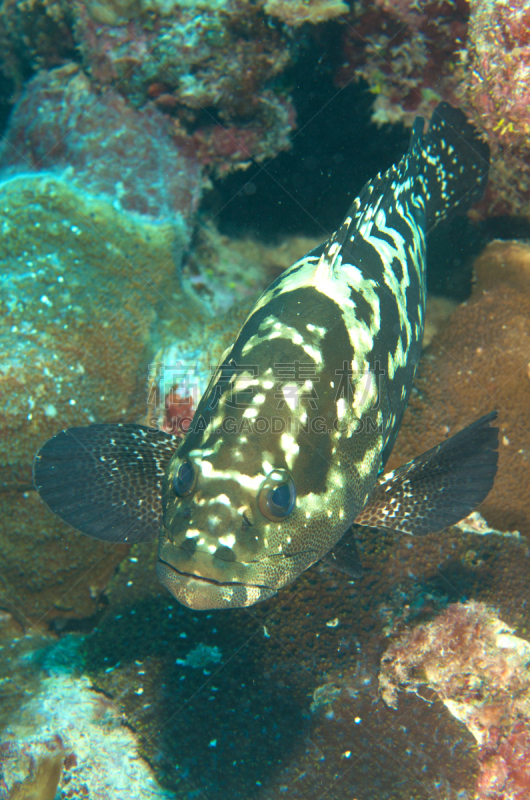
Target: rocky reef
pixel 102 147
pixel 94 756
pixel 495 91
pixel 120 294
pixel 475 55
pixel 407 52
pixel 223 73
pixel 78 315
pixel 479 669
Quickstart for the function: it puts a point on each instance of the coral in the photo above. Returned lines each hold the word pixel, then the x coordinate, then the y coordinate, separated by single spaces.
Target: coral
pixel 34 772
pixel 408 53
pixel 498 69
pixel 296 12
pixel 102 146
pixel 480 362
pixel 79 318
pixel 78 311
pixel 479 669
pixel 49 572
pixel 222 148
pixel 215 69
pixel 495 90
pixel 478 56
pixel 437 315
pixel 509 187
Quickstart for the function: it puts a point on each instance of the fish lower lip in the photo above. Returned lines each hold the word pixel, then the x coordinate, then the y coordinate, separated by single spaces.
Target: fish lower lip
pixel 211 580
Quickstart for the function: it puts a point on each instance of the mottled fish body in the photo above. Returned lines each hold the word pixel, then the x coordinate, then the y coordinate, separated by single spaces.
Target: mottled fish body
pixel 286 448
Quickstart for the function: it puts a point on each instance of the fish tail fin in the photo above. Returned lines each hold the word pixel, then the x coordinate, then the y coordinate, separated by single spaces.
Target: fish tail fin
pixel 453 163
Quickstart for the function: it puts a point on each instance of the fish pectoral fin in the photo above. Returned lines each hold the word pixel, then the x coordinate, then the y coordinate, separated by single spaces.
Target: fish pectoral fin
pixel 345 556
pixel 440 487
pixel 105 480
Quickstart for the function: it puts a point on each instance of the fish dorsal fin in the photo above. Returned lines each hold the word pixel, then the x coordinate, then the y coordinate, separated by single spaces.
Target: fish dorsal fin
pixel 395 186
pixel 105 480
pixel 443 170
pixel 440 487
pixel 454 164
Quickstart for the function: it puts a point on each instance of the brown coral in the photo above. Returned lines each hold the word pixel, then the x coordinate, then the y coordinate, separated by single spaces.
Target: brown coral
pixel 478 363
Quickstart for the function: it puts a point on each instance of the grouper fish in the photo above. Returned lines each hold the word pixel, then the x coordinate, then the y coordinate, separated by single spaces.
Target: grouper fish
pixel 285 455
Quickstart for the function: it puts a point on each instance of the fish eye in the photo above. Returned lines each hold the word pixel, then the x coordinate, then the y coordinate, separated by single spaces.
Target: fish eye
pixel 277 495
pixel 184 479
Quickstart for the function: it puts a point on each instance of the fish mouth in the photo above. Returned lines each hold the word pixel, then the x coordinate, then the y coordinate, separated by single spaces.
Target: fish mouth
pixel 203 594
pixel 203 579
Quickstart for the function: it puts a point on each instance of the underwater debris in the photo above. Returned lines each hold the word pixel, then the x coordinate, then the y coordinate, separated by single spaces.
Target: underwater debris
pixel 480 360
pixel 479 670
pixel 202 655
pixel 324 696
pixel 475 523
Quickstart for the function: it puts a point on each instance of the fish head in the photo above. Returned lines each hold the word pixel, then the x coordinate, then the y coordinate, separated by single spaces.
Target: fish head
pixel 245 512
pixel 229 536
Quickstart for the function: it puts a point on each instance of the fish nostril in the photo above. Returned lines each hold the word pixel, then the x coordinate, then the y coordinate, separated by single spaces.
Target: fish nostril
pixel 186 513
pixel 225 553
pixel 246 520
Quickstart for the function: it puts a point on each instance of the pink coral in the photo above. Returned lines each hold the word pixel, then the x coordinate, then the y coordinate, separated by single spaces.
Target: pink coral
pixel 498 81
pixel 496 92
